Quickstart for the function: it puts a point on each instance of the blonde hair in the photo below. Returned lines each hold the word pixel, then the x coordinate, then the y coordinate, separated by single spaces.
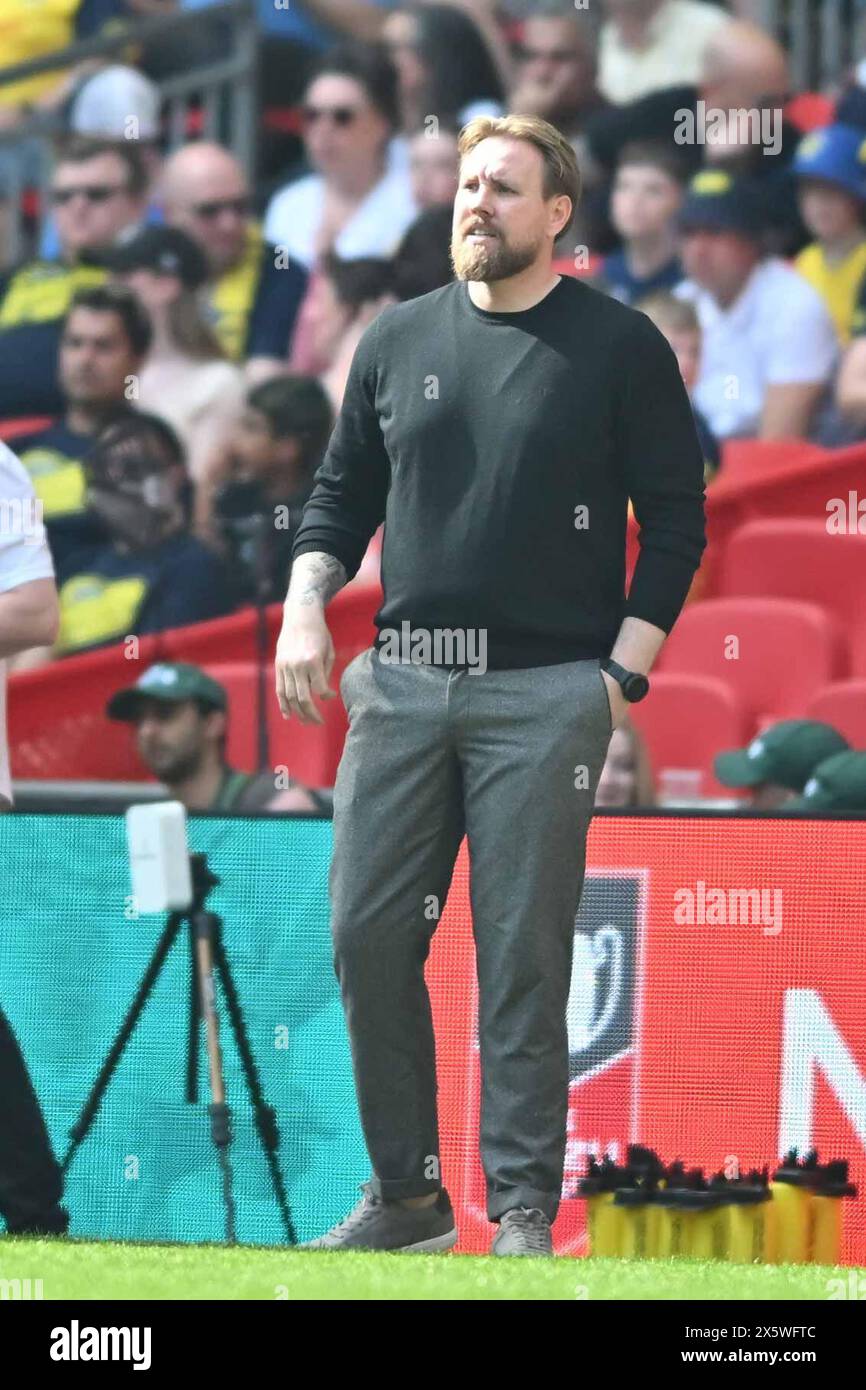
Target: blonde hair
pixel 561 174
pixel 190 331
pixel 670 314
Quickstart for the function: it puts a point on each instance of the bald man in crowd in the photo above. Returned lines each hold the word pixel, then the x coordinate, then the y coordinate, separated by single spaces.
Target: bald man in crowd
pixel 254 293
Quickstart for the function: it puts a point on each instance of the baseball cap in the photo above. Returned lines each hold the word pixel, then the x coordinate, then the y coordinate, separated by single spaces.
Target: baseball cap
pixel 171 681
pixel 716 201
pixel 837 784
pixel 166 250
pixel 836 154
pixel 786 753
pixel 108 99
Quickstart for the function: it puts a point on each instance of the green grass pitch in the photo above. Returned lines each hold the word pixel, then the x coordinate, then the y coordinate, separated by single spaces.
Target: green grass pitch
pixel 73 1269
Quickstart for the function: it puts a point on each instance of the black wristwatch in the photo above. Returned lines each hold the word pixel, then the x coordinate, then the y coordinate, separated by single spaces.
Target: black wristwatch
pixel 633 685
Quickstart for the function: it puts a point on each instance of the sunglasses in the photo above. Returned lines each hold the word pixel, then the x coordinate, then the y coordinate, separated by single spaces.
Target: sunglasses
pixel 93 192
pixel 239 206
pixel 341 115
pixel 553 55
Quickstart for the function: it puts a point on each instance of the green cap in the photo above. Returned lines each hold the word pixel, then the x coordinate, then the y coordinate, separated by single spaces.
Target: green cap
pixel 171 681
pixel 787 753
pixel 837 784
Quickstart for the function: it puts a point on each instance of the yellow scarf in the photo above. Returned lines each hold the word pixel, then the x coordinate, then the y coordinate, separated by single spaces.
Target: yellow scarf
pixel 233 296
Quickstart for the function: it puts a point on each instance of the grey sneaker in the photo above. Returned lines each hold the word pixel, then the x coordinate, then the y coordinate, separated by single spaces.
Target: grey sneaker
pixel 378 1225
pixel 523 1231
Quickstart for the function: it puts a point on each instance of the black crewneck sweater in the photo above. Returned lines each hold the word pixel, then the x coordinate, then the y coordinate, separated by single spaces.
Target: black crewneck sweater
pixel 482 439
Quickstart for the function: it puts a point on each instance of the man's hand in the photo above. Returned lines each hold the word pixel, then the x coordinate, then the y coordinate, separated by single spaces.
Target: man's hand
pixel 305 652
pixel 305 657
pixel 617 701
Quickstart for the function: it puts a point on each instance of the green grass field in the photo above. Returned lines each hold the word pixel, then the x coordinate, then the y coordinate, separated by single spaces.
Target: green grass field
pixel 81 1270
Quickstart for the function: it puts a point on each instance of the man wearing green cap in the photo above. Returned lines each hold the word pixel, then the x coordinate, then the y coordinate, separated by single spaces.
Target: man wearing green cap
pixel 837 784
pixel 779 761
pixel 180 715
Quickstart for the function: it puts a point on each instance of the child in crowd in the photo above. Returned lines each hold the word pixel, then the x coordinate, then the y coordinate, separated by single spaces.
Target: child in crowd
pixel 275 449
pixel 830 167
pixel 647 192
pixel 678 321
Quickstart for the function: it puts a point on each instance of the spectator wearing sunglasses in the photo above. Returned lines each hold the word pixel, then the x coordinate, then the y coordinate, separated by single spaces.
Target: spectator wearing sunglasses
pixel 353 203
pixel 556 71
pixel 97 190
pixel 110 104
pixel 254 289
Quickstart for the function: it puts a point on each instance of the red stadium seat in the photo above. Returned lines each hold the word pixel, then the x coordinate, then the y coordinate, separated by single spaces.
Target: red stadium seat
pixel 800 559
pixel 685 721
pixel 311 752
pixel 843 705
pixel 809 111
pixel 239 679
pixel 567 265
pixel 785 651
pixel 747 459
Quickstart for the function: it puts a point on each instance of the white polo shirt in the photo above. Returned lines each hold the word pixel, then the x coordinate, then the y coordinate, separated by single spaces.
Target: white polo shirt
pixel 294 215
pixel 777 331
pixel 24 556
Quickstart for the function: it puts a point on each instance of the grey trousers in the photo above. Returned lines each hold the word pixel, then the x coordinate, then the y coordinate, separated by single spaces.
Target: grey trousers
pixel 512 759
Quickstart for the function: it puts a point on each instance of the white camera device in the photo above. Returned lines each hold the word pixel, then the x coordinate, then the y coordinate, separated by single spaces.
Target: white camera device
pixel 159 856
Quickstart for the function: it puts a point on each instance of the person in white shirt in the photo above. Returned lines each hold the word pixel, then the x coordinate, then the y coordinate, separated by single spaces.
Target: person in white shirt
pixel 357 202
pixel 31 1182
pixel 769 344
pixel 646 45
pixel 29 615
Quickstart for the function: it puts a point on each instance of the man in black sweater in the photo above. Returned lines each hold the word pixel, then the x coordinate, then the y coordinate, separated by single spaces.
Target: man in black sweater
pixel 498 426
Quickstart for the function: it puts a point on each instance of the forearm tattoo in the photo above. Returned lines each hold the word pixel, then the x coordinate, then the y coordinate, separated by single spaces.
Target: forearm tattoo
pixel 316 578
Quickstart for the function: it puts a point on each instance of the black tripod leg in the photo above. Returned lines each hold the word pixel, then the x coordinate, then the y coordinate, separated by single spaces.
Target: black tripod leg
pixel 266 1116
pixel 194 1020
pixel 31 1184
pixel 91 1105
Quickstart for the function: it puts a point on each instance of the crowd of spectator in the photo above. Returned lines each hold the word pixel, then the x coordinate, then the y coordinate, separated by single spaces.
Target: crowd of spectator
pixel 182 327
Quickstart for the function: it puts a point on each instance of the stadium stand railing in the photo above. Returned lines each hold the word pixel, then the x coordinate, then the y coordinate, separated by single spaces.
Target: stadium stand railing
pixel 823 37
pixel 216 99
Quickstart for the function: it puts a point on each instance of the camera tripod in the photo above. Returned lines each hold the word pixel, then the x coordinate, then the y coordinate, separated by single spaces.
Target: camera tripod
pixel 206 955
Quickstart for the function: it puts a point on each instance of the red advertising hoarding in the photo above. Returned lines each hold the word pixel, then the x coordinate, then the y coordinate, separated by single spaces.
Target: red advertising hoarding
pixel 717 1009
